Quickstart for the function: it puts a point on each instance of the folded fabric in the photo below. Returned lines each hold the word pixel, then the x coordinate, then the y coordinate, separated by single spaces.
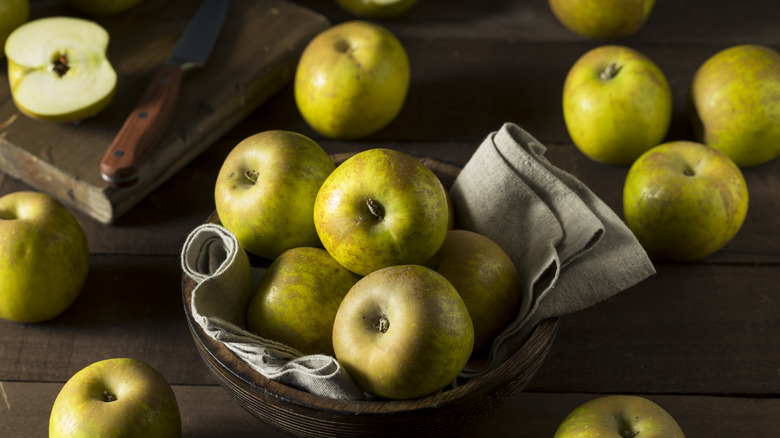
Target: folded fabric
pixel 226 283
pixel 571 250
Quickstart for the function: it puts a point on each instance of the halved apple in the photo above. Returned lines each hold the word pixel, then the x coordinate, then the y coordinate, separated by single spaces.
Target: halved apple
pixel 58 69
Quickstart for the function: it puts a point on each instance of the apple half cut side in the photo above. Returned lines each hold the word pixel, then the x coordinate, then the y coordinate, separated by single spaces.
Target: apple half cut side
pixel 58 70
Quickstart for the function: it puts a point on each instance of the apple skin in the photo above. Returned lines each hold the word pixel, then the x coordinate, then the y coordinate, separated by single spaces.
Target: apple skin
pixel 265 191
pixel 485 278
pixel 13 13
pixel 619 416
pixel 44 257
pixel 684 200
pixel 143 403
pixel 297 300
pixel 603 19
pixel 381 208
pixel 352 80
pixel 102 8
pixel 735 103
pixel 403 332
pixel 617 104
pixel 377 8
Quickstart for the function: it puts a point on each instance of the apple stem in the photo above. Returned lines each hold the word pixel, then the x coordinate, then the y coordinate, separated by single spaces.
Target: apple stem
pixel 610 72
pixel 376 209
pixel 252 175
pixel 108 397
pixel 382 325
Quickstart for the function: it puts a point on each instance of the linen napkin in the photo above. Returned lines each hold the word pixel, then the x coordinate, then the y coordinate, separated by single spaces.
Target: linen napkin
pixel 226 283
pixel 571 250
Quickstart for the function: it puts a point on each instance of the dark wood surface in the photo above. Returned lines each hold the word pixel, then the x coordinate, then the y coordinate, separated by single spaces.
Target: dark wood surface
pixel 700 339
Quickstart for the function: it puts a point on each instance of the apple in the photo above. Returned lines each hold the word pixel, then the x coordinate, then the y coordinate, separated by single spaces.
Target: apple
pixel 485 278
pixel 377 8
pixel 44 257
pixel 607 19
pixel 265 191
pixel 352 80
pixel 403 332
pixel 684 200
pixel 297 300
pixel 116 398
pixel 58 70
pixel 617 104
pixel 735 103
pixel 619 416
pixel 102 8
pixel 380 208
pixel 13 13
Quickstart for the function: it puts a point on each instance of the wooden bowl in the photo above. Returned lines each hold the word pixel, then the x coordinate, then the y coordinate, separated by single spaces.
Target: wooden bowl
pixel 302 414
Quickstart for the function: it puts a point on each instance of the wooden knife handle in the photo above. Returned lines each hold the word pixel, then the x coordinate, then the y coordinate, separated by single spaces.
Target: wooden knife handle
pixel 143 128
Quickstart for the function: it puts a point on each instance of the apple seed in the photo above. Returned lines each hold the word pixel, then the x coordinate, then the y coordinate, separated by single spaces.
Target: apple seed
pixel 610 72
pixel 60 64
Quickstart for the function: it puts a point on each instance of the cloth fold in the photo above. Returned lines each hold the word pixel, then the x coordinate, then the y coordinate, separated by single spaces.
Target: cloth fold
pixel 571 251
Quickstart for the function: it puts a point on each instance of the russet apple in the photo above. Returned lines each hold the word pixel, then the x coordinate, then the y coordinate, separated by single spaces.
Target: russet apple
pixel 617 104
pixel 608 19
pixel 116 398
pixel 352 80
pixel 265 191
pixel 735 103
pixel 485 278
pixel 377 8
pixel 403 332
pixel 44 257
pixel 297 300
pixel 58 70
pixel 102 8
pixel 13 13
pixel 619 416
pixel 684 200
pixel 380 208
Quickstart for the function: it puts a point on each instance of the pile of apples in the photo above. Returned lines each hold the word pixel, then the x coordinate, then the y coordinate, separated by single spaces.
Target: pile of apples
pixel 366 263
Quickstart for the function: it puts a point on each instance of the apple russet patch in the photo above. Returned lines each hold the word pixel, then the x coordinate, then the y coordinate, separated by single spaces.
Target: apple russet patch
pixel 352 80
pixel 265 191
pixel 381 208
pixel 44 257
pixel 684 200
pixel 297 300
pixel 116 398
pixel 403 332
pixel 735 103
pixel 58 70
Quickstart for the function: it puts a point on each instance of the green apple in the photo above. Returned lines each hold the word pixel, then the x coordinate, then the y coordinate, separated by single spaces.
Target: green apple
pixel 380 208
pixel 297 300
pixel 485 278
pixel 607 19
pixel 619 416
pixel 377 8
pixel 58 70
pixel 352 80
pixel 735 103
pixel 403 332
pixel 44 257
pixel 684 200
pixel 265 191
pixel 116 398
pixel 101 8
pixel 617 104
pixel 13 13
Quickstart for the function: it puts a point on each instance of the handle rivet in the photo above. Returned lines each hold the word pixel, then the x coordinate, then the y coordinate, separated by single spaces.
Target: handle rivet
pixel 119 153
pixel 142 115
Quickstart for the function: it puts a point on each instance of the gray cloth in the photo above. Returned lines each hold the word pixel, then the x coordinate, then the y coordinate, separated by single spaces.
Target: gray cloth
pixel 571 250
pixel 226 283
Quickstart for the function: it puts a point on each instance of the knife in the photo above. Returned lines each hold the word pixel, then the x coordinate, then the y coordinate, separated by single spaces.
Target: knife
pixel 145 125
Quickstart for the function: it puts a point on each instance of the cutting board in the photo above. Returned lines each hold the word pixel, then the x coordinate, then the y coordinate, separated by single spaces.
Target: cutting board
pixel 255 56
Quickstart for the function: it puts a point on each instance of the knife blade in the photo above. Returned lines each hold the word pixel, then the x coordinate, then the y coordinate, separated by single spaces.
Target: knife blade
pixel 144 127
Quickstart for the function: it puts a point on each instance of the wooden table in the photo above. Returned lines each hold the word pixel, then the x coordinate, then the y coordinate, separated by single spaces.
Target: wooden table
pixel 700 339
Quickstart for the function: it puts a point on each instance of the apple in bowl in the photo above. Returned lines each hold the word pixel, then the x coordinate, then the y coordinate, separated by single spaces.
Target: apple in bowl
pixel 58 70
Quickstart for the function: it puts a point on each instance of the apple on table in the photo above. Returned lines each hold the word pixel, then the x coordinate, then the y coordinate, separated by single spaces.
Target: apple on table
pixel 377 8
pixel 58 70
pixel 44 257
pixel 619 416
pixel 118 397
pixel 607 19
pixel 617 104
